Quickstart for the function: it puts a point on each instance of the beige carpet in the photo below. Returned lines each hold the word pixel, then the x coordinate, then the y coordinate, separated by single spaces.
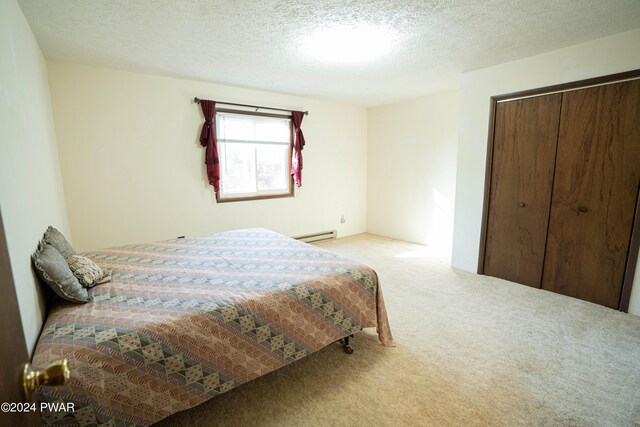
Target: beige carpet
pixel 472 350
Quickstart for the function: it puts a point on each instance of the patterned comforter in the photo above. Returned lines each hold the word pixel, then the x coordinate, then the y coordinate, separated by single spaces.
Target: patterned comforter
pixel 185 320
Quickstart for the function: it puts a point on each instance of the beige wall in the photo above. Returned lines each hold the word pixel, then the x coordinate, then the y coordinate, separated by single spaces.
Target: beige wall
pixel 31 194
pixel 412 170
pixel 133 169
pixel 600 57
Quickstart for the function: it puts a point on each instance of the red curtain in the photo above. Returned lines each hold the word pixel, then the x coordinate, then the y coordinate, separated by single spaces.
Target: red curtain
pixel 208 139
pixel 298 145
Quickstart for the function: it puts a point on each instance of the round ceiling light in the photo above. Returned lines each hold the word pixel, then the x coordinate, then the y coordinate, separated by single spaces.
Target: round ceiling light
pixel 349 44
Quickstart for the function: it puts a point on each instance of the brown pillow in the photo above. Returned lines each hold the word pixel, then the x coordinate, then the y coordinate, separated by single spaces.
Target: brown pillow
pixel 88 272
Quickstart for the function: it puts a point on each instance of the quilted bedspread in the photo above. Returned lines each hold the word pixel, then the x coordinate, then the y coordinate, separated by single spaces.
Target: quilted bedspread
pixel 185 320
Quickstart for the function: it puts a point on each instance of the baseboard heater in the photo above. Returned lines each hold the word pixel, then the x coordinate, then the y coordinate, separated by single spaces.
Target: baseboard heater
pixel 318 237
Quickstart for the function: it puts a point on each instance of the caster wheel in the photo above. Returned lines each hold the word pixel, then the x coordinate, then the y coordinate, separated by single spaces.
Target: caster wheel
pixel 348 349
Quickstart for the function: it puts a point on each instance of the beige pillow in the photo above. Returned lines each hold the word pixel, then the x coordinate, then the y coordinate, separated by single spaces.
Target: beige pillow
pixel 88 272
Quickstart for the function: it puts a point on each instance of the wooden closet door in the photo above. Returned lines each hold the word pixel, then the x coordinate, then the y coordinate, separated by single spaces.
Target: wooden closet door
pixel 594 193
pixel 524 149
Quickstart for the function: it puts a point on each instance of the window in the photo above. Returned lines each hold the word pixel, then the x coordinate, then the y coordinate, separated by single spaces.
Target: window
pixel 255 155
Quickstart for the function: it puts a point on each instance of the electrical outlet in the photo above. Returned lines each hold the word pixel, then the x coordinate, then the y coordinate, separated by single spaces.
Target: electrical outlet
pixel 342 220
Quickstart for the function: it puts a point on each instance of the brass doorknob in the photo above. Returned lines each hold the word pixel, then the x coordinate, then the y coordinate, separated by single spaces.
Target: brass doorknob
pixel 521 204
pixel 55 374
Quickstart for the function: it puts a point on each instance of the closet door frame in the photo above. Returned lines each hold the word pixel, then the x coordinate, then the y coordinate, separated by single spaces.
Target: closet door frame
pixel 634 244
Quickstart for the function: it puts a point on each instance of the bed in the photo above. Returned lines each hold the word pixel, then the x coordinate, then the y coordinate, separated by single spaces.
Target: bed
pixel 185 320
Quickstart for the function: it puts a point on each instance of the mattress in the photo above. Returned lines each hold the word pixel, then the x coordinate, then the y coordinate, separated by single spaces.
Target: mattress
pixel 185 320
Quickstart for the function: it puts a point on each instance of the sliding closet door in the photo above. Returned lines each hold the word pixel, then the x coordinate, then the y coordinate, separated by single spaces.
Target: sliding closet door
pixel 594 193
pixel 524 149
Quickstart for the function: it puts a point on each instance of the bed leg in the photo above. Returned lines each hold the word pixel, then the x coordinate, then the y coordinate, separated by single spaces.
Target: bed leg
pixel 345 345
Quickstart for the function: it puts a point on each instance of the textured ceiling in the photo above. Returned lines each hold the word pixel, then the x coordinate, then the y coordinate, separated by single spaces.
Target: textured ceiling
pixel 260 43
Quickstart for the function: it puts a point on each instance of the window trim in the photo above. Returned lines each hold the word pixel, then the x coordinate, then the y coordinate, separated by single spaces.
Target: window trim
pixel 264 196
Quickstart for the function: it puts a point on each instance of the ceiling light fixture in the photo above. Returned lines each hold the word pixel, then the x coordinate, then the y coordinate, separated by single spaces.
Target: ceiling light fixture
pixel 349 44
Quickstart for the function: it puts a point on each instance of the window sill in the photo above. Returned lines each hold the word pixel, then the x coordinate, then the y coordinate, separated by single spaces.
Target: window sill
pixel 249 198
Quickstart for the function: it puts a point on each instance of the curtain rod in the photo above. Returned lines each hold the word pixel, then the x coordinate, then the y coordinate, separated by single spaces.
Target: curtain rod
pixel 197 101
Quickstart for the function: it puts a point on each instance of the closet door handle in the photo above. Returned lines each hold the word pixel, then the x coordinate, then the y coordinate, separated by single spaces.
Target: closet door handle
pixel 521 204
pixel 583 209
